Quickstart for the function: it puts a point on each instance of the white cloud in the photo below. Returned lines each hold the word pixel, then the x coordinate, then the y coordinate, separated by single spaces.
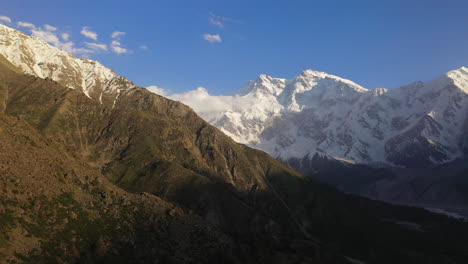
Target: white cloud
pixel 210 106
pixel 5 19
pixel 89 34
pixel 157 90
pixel 65 36
pixel 118 34
pixel 119 50
pixel 96 46
pixel 143 47
pixel 49 35
pixel 26 25
pixel 220 21
pixel 206 105
pixel 212 38
pixel 215 21
pixel 116 46
pixel 61 40
pixel 50 28
pixel 202 102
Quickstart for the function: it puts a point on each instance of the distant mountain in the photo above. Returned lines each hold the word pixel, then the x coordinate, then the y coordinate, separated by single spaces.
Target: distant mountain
pixel 393 145
pixel 417 125
pixel 105 172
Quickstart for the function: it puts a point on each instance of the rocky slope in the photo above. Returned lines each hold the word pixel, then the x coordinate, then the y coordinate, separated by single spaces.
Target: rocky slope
pixel 54 209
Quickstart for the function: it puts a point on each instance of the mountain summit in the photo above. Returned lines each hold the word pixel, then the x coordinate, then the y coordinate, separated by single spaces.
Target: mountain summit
pixel 419 124
pixel 32 55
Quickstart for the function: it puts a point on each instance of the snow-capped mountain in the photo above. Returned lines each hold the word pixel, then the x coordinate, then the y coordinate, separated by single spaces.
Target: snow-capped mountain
pixel 34 56
pixel 415 125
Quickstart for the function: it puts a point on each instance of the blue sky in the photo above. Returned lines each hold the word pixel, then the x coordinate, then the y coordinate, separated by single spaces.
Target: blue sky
pixel 374 43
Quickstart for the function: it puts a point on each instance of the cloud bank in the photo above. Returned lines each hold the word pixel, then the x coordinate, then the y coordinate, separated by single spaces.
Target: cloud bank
pixel 206 105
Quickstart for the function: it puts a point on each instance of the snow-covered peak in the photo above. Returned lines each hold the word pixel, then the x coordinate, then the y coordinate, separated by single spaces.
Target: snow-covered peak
pixel 34 56
pixel 3 27
pixel 311 75
pixel 311 89
pixel 419 123
pixel 460 78
pixel 264 84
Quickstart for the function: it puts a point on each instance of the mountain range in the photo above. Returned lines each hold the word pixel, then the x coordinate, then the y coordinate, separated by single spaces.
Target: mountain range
pixel 406 145
pixel 94 169
pixel 417 125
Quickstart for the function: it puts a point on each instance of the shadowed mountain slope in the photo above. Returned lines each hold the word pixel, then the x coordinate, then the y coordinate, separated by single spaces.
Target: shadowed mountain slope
pixel 261 209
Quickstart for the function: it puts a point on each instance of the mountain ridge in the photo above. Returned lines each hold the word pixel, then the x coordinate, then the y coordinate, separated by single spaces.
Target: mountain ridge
pixel 320 111
pixel 33 55
pixel 316 111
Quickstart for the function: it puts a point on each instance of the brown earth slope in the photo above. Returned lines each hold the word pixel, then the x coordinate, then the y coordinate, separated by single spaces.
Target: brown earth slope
pixel 54 209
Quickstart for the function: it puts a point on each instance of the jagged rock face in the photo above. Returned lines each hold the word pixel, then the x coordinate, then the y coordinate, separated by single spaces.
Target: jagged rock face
pixel 415 125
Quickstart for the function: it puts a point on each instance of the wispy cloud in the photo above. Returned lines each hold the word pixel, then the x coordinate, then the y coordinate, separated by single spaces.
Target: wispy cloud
pixel 54 36
pixel 50 35
pixel 26 25
pixel 220 21
pixel 216 22
pixel 212 38
pixel 119 50
pixel 65 36
pixel 118 34
pixel 5 19
pixel 97 46
pixel 143 47
pixel 116 45
pixel 50 28
pixel 88 33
